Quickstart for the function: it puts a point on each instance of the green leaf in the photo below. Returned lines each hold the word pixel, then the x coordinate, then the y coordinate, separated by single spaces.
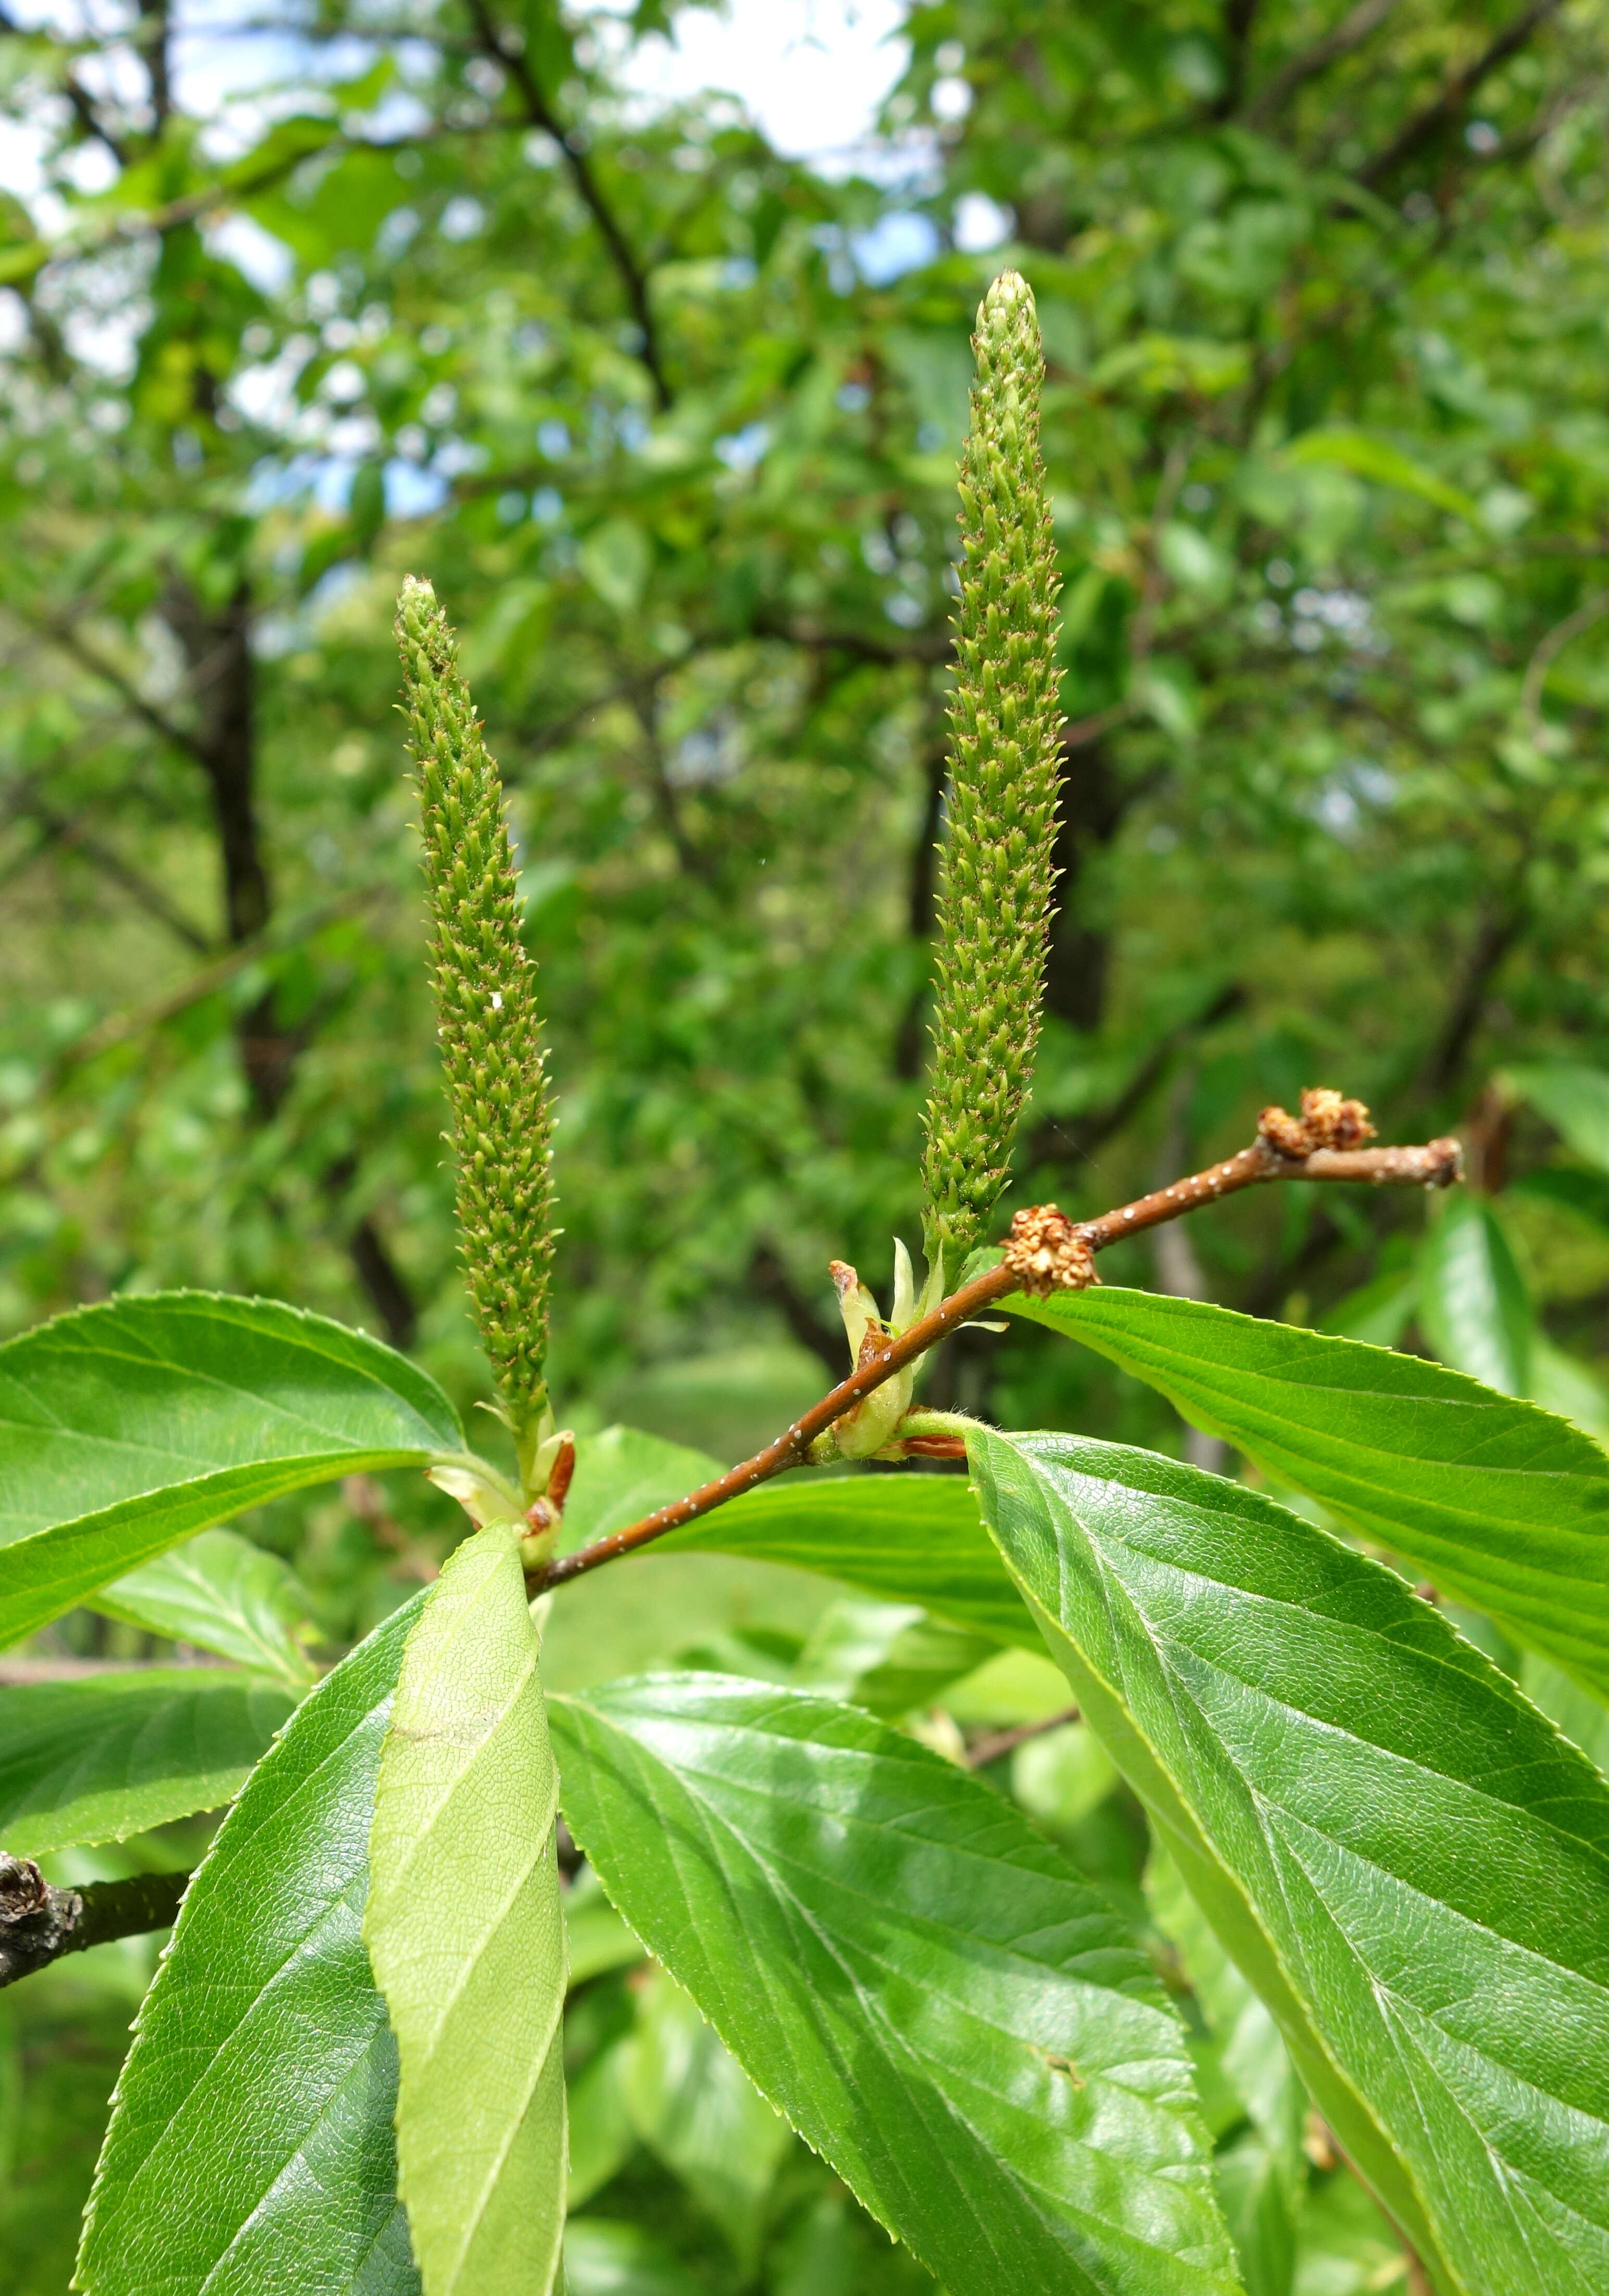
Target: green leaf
pixel 1497 1502
pixel 1261 2203
pixel 905 1539
pixel 1262 2176
pixel 617 559
pixel 1400 1854
pixel 126 1427
pixel 603 2258
pixel 466 1937
pixel 1473 1305
pixel 1584 1719
pixel 115 1754
pixel 603 2136
pixel 692 2105
pixel 252 2128
pixel 887 1657
pixel 1368 457
pixel 665 1612
pixel 913 1539
pixel 1561 1384
pixel 1379 1312
pixel 941 2007
pixel 595 1937
pixel 1574 1100
pixel 220 1592
pixel 1059 1776
pixel 1584 1193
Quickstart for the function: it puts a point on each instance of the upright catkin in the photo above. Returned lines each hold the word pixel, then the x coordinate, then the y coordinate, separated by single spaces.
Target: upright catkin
pixel 994 904
pixel 487 1018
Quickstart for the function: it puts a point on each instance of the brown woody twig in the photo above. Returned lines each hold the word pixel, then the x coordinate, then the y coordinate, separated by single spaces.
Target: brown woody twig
pixel 39 1924
pixel 1047 1251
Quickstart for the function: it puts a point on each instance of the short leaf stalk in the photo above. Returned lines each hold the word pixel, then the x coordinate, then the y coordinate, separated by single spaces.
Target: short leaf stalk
pixel 994 903
pixel 490 1040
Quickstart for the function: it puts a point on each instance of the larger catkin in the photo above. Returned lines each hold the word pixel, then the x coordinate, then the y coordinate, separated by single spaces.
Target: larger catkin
pixel 485 1008
pixel 995 897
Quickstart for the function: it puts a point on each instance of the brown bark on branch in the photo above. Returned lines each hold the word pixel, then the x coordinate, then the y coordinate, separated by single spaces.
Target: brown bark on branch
pixel 1433 1166
pixel 38 1925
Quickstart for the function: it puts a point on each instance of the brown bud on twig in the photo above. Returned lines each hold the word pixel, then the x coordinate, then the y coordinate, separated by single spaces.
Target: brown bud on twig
pixel 1326 1121
pixel 1047 1252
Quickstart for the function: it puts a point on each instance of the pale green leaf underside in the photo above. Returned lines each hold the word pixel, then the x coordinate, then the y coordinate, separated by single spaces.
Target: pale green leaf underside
pixel 1401 1855
pixel 110 1755
pixel 933 1997
pixel 125 1427
pixel 465 1935
pixel 251 2136
pixel 219 1592
pixel 1498 1503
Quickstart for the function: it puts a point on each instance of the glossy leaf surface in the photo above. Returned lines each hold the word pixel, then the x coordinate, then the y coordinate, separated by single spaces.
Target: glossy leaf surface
pixel 940 2005
pixel 595 1937
pixel 1574 1100
pixel 1584 1719
pixel 1395 1849
pixel 1584 1193
pixel 603 2136
pixel 220 1592
pixel 252 2132
pixel 904 1538
pixel 692 2104
pixel 126 1427
pixel 1496 1502
pixel 1473 1305
pixel 603 2258
pixel 108 1755
pixel 465 1935
pixel 887 1657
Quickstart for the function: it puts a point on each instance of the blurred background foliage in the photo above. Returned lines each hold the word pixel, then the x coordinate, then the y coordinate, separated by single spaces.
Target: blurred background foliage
pixel 671 419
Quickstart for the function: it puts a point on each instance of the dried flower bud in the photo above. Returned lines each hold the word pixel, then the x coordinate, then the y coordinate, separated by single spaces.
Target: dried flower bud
pixel 1333 1122
pixel 1326 1121
pixel 1285 1134
pixel 1047 1252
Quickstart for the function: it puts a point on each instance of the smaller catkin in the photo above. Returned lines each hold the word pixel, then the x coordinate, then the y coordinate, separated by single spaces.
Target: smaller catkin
pixel 994 903
pixel 486 1009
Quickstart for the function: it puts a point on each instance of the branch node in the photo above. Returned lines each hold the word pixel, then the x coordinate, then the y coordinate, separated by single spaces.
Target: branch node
pixel 1048 1252
pixel 1326 1121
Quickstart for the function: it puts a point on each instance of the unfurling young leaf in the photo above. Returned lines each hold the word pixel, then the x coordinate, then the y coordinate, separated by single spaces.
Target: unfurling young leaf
pixel 488 1029
pixel 994 902
pixel 466 1936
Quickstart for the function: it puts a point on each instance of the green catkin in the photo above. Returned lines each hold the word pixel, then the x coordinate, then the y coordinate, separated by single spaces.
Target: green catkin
pixel 488 1023
pixel 994 902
